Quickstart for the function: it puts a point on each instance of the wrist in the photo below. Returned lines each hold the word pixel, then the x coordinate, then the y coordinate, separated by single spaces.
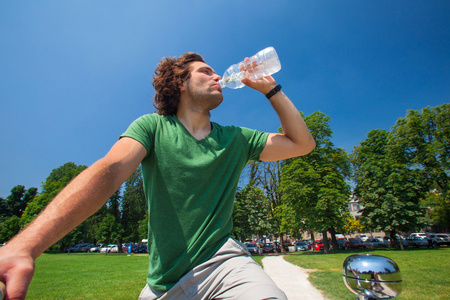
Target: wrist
pixel 272 92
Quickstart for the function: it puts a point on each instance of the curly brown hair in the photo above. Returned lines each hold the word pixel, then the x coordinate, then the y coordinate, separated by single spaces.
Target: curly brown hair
pixel 170 74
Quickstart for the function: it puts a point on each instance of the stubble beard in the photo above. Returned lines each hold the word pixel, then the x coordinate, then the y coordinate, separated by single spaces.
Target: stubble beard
pixel 202 99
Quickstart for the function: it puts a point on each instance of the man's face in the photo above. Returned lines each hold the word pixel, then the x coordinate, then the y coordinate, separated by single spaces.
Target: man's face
pixel 202 87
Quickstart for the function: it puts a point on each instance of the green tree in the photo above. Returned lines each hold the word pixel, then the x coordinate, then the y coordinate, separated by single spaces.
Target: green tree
pixel 17 201
pixel 54 183
pixel 251 213
pixel 314 190
pixel 143 228
pixel 439 210
pixel 421 141
pixel 109 230
pixel 9 228
pixel 389 191
pixel 134 206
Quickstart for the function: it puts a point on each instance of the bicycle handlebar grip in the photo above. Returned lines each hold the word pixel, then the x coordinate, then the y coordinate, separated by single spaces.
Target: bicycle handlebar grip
pixel 2 290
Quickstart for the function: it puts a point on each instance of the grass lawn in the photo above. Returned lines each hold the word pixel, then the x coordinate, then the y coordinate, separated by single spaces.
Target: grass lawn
pixel 425 274
pixel 88 276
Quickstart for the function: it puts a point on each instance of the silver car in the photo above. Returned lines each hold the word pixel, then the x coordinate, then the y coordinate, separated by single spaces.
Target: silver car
pixel 252 248
pixel 301 246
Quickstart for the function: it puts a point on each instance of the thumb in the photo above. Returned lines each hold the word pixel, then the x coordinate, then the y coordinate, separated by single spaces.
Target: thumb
pixel 17 281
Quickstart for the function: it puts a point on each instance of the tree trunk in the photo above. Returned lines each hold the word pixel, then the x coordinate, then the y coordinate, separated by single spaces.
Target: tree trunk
pixel 119 246
pixel 334 243
pixel 312 238
pixel 326 244
pixel 282 241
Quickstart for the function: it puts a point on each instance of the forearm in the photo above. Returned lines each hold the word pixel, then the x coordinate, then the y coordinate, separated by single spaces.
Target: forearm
pixel 292 123
pixel 75 203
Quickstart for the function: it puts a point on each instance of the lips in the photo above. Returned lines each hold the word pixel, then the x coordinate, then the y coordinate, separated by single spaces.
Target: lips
pixel 220 88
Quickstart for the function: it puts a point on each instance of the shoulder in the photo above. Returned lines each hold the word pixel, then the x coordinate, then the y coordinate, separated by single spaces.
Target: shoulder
pixel 234 130
pixel 244 134
pixel 151 121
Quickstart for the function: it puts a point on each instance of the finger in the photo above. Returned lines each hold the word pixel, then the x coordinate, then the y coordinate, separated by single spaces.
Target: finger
pixel 248 66
pixel 254 62
pixel 241 67
pixel 2 290
pixel 18 282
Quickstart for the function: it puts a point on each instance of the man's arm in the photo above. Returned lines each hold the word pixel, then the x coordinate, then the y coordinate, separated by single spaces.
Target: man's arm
pixel 82 197
pixel 295 139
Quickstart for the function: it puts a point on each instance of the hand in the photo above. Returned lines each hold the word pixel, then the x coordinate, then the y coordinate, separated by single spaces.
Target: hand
pixel 16 272
pixel 263 85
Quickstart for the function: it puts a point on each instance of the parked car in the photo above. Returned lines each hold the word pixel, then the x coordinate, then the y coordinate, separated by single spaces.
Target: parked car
pixel 85 247
pixel 318 245
pixel 95 248
pixel 277 246
pixel 301 246
pixel 252 248
pixel 387 241
pixel 418 234
pixel 310 244
pixel 141 248
pixel 268 248
pixel 353 243
pixel 440 239
pixel 342 244
pixel 363 237
pixel 287 245
pixel 110 249
pixel 374 243
pixel 415 241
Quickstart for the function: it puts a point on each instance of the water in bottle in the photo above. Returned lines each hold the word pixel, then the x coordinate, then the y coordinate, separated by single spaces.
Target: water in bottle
pixel 263 63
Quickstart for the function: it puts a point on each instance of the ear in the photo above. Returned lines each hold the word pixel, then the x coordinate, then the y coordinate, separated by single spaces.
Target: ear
pixel 182 87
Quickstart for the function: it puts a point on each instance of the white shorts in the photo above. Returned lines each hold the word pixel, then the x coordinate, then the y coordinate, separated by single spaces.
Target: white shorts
pixel 230 274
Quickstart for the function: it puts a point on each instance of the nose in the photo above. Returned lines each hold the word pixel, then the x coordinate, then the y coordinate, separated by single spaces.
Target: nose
pixel 216 77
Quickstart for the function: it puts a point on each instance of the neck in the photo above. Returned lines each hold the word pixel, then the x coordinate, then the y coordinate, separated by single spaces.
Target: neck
pixel 198 124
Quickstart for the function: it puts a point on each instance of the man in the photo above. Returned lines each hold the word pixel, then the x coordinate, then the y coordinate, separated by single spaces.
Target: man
pixel 429 239
pixel 191 168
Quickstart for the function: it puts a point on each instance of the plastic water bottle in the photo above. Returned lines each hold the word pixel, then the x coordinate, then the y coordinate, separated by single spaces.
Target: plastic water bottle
pixel 263 63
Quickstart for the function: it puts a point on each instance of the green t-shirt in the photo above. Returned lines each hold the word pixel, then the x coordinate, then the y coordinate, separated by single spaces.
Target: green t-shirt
pixel 190 187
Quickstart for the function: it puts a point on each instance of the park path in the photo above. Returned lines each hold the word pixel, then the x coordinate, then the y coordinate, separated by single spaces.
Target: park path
pixel 291 279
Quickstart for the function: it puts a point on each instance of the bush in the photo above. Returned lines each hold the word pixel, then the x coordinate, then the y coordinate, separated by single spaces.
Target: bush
pixel 53 249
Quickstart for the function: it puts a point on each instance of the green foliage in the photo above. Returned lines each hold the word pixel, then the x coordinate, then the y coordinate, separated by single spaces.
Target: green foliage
pixel 439 210
pixel 9 228
pixel 134 207
pixel 388 189
pixel 251 213
pixel 143 228
pixel 107 225
pixel 402 172
pixel 16 202
pixel 109 230
pixel 268 177
pixel 421 140
pixel 313 187
pixel 54 183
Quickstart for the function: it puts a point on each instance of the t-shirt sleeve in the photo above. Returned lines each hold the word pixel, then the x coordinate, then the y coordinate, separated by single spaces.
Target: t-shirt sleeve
pixel 256 142
pixel 142 130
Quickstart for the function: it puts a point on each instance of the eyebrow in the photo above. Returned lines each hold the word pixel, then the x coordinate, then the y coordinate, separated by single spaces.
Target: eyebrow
pixel 207 68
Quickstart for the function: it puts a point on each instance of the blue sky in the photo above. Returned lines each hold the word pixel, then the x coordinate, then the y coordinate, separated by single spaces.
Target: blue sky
pixel 75 74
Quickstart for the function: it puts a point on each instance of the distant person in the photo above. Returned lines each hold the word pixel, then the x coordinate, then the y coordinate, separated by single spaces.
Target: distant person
pixel 429 240
pixel 191 168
